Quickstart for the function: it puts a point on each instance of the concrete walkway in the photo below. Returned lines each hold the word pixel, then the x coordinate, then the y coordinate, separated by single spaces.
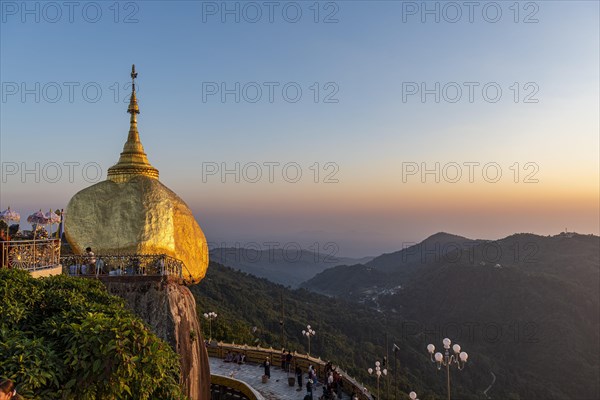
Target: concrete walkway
pixel 276 389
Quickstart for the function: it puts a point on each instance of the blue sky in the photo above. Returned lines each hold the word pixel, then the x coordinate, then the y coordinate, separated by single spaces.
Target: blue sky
pixel 366 58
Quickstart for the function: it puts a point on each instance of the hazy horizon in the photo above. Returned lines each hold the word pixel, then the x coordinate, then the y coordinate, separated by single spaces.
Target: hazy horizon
pixel 371 155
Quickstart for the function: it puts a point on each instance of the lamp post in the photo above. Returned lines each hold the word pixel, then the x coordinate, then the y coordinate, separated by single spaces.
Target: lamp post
pixel 396 349
pixel 308 333
pixel 210 316
pixel 459 358
pixel 413 396
pixel 378 372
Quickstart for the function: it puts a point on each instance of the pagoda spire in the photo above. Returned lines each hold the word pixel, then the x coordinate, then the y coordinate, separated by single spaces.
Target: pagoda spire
pixel 133 108
pixel 133 160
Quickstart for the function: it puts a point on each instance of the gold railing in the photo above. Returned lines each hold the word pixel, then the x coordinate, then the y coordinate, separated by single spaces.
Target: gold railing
pixel 124 265
pixel 258 354
pixel 30 255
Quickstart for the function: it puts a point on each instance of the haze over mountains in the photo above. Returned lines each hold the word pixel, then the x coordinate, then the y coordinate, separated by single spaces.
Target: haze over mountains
pixel 571 256
pixel 287 266
pixel 525 307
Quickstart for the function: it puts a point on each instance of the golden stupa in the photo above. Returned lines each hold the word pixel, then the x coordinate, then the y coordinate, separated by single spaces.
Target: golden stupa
pixel 133 213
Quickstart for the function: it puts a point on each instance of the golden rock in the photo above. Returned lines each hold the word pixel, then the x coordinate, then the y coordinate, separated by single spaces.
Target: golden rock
pixel 133 213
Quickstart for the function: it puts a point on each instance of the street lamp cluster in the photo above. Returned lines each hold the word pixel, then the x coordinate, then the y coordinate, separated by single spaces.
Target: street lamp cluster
pixel 210 316
pixel 308 333
pixel 413 396
pixel 378 372
pixel 458 359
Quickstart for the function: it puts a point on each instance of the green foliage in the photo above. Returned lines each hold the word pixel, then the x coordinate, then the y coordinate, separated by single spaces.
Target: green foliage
pixel 67 338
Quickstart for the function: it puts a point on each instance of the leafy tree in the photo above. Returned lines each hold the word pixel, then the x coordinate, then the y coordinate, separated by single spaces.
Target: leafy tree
pixel 67 338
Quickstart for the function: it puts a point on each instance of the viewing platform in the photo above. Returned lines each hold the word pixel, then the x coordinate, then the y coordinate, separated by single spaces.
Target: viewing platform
pixel 125 266
pixel 43 258
pixel 278 387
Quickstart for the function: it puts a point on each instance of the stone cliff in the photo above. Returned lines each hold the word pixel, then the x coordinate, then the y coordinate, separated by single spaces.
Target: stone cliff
pixel 170 310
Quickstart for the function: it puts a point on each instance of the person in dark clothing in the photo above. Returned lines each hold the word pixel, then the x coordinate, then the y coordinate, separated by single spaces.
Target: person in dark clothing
pixel 328 368
pixel 299 377
pixel 267 366
pixel 288 361
pixel 309 388
pixel 325 395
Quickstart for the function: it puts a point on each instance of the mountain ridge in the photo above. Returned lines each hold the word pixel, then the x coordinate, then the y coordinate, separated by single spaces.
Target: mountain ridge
pixel 535 292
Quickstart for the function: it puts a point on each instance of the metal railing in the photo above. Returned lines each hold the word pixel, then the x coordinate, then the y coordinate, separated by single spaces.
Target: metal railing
pixel 124 265
pixel 30 255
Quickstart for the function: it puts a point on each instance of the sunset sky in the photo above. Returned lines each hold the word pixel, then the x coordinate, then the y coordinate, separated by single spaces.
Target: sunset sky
pixel 368 134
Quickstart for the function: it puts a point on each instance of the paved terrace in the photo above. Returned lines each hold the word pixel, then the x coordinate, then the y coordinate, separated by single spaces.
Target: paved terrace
pixel 276 389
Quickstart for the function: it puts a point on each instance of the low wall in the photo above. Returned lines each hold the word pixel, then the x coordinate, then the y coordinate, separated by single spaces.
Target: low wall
pixel 234 388
pixel 258 355
pixel 40 273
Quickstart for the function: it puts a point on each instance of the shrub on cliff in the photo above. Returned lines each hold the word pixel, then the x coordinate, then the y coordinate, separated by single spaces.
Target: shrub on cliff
pixel 67 338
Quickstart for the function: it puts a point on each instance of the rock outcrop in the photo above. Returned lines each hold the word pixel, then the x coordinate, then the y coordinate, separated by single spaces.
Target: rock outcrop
pixel 170 310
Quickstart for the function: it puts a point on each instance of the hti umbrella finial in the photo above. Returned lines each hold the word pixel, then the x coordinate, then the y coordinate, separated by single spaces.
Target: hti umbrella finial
pixel 133 160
